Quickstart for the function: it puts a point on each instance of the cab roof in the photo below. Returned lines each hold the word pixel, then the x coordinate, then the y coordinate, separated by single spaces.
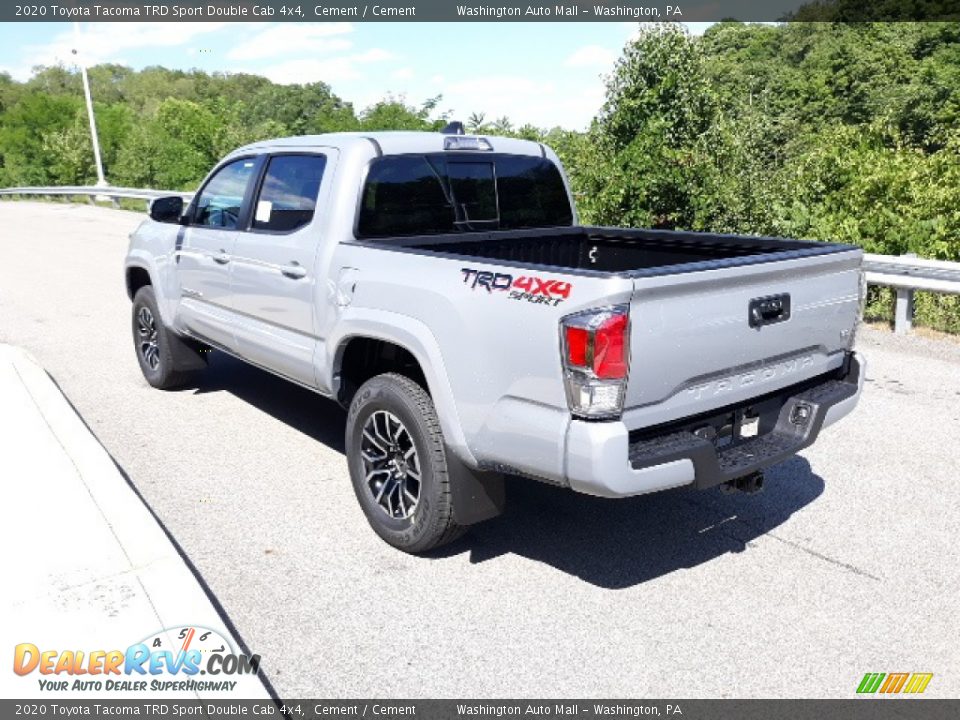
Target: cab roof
pixel 393 143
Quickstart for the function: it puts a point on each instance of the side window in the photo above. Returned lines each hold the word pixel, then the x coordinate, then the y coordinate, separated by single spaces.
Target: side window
pixel 218 204
pixel 288 196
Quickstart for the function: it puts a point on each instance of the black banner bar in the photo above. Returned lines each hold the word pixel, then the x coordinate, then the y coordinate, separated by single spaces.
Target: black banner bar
pixel 854 709
pixel 478 11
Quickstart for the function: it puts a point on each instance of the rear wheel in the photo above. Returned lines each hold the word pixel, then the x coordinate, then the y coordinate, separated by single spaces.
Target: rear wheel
pixel 398 464
pixel 166 361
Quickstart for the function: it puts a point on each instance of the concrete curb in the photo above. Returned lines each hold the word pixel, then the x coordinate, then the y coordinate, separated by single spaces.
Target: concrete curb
pixel 95 569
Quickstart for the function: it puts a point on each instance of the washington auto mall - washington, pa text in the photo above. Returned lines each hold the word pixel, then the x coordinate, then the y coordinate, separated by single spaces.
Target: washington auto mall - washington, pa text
pixel 239 12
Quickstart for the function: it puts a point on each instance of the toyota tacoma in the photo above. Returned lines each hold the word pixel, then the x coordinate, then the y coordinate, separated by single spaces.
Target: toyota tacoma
pixel 440 287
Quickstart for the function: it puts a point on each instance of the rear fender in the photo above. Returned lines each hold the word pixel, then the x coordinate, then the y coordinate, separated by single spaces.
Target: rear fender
pixel 415 337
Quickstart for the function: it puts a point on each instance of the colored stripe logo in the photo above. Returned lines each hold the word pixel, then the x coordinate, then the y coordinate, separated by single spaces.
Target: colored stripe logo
pixel 894 683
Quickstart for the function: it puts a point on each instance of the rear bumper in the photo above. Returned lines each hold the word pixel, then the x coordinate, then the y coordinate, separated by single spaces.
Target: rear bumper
pixel 604 458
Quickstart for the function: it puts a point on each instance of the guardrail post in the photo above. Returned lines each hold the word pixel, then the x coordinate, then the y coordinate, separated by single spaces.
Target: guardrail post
pixel 903 318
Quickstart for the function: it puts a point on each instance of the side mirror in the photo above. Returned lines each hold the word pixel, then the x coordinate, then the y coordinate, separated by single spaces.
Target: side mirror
pixel 167 209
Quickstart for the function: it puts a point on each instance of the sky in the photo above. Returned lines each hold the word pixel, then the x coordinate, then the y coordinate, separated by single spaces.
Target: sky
pixel 546 74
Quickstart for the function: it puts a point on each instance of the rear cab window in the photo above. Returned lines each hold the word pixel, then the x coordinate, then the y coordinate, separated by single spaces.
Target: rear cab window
pixel 436 193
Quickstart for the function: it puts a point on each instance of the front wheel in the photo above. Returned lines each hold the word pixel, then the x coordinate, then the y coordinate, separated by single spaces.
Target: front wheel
pixel 398 464
pixel 165 360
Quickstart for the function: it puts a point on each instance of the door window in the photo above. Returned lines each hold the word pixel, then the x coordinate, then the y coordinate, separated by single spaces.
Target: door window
pixel 220 201
pixel 288 195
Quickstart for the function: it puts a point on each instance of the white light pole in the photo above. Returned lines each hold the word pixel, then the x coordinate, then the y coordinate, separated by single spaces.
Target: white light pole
pixel 101 180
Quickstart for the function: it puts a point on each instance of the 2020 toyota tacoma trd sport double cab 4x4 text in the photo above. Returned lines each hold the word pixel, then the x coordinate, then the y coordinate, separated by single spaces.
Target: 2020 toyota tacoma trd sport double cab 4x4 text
pixel 440 288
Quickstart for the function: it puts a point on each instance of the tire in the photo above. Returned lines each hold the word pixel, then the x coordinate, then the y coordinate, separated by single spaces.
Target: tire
pixel 165 360
pixel 389 415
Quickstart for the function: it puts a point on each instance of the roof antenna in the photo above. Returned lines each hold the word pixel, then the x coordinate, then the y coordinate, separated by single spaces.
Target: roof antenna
pixel 453 128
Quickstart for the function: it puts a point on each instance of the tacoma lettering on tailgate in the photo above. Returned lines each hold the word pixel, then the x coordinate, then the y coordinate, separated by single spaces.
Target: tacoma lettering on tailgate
pixel 754 377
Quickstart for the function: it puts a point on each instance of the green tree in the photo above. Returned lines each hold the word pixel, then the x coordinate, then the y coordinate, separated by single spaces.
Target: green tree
pixel 475 123
pixel 23 127
pixel 70 153
pixel 9 92
pixel 393 113
pixel 173 149
pixel 529 132
pixel 659 148
pixel 302 109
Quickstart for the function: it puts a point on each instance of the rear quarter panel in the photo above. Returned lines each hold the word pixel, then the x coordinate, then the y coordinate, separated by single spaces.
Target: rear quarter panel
pixel 498 348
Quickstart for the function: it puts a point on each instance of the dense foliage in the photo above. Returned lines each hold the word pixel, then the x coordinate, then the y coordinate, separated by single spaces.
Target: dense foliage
pixel 834 131
pixel 839 132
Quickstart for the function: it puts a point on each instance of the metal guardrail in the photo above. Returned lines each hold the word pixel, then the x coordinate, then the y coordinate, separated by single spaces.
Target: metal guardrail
pixel 905 273
pixel 95 192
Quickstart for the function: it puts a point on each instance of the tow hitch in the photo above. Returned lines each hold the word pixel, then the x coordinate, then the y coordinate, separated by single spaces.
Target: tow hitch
pixel 750 484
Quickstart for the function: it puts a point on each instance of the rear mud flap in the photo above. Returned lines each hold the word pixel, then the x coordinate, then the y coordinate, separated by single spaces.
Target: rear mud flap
pixel 477 496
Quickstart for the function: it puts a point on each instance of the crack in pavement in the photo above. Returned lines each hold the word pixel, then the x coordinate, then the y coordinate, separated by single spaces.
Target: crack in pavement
pixel 758 532
pixel 826 558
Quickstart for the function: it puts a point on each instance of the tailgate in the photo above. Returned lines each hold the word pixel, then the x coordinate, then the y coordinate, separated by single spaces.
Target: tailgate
pixel 694 346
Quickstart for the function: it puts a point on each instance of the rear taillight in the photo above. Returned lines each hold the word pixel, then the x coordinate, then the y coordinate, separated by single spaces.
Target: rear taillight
pixel 595 360
pixel 577 341
pixel 609 353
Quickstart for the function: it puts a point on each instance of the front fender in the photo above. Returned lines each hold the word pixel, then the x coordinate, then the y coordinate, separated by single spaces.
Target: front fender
pixel 417 338
pixel 151 249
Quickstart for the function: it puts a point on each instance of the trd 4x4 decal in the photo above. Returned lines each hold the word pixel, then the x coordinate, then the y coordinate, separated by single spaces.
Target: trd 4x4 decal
pixel 537 290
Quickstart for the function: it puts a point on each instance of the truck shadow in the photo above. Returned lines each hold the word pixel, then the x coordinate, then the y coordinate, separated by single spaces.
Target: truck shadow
pixel 616 544
pixel 609 543
pixel 313 415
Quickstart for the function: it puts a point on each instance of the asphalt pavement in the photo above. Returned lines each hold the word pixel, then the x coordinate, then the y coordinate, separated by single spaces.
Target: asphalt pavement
pixel 847 563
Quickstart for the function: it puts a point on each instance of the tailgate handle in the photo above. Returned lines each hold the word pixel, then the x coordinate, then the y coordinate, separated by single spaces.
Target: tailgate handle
pixel 769 309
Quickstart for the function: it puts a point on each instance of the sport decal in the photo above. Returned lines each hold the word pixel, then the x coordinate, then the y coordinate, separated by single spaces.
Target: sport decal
pixel 529 288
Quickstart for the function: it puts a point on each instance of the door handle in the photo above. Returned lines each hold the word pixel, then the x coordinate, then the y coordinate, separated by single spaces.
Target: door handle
pixel 221 258
pixel 294 270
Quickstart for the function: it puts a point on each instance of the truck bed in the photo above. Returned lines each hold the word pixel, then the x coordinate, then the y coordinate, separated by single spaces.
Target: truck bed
pixel 696 338
pixel 616 250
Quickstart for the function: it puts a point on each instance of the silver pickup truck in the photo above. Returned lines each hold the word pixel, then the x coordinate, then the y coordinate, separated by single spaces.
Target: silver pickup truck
pixel 440 287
